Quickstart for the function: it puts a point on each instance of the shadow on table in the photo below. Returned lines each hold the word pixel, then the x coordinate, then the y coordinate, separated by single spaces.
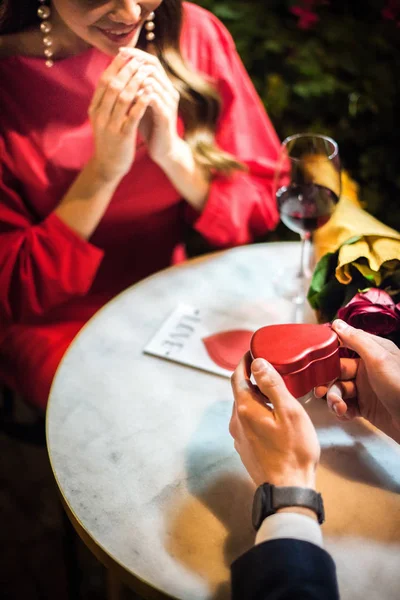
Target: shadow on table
pixel 352 450
pixel 210 529
pixel 213 526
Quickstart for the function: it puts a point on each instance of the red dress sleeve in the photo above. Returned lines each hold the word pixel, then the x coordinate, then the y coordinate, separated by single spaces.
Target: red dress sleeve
pixel 242 206
pixel 42 264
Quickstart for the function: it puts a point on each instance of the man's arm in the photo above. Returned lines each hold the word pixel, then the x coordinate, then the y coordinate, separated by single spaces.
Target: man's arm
pixel 279 446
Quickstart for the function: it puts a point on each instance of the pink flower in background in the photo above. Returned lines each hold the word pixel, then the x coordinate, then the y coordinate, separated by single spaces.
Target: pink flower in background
pixel 307 18
pixel 373 311
pixel 391 11
pixel 305 11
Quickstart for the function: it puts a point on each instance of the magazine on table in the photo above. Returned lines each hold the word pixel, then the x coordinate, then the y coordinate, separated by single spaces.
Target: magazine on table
pixel 209 340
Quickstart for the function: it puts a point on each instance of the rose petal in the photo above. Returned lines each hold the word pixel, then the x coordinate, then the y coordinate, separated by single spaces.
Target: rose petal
pixel 373 310
pixel 378 323
pixel 377 296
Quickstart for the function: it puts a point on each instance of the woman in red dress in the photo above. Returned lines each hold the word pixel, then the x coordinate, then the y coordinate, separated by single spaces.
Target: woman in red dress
pixel 122 122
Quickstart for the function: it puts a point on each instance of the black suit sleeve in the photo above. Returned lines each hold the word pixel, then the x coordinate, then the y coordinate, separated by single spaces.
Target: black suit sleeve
pixel 284 569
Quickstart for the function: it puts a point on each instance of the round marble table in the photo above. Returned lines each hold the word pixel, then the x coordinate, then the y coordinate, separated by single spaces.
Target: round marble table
pixel 143 458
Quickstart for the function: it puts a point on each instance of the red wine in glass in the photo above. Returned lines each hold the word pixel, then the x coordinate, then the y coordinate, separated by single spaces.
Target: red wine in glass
pixel 306 207
pixel 307 185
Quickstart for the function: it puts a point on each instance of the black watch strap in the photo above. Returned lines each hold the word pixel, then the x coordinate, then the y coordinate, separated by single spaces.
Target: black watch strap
pixel 269 498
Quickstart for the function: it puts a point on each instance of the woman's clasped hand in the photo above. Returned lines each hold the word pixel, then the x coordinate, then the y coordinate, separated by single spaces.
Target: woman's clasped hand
pixel 134 94
pixel 140 126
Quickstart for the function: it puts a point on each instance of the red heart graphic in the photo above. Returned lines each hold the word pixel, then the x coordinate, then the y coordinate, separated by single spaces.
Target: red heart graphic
pixel 226 348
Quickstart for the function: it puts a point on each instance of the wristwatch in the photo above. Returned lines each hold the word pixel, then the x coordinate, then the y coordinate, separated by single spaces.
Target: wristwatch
pixel 269 498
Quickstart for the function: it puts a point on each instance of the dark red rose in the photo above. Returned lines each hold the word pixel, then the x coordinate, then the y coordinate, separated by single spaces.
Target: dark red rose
pixel 373 311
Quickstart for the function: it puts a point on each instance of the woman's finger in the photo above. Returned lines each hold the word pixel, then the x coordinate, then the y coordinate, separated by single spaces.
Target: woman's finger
pixel 130 83
pixel 116 86
pixel 113 69
pixel 146 57
pixel 165 83
pixel 136 113
pixel 158 106
pixel 127 96
pixel 159 71
pixel 151 84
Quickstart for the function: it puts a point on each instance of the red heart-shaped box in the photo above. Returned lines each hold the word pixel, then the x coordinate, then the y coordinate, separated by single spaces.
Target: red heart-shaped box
pixel 305 355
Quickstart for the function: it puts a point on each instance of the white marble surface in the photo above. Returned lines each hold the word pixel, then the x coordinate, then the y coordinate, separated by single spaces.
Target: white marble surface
pixel 142 454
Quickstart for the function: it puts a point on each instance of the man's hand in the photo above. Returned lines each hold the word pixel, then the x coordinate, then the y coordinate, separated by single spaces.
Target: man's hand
pixel 278 444
pixel 369 386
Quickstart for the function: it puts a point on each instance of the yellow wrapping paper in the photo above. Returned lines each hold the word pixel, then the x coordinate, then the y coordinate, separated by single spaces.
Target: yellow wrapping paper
pixel 377 246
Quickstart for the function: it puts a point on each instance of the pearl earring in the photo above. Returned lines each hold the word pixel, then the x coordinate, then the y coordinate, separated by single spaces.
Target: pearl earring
pixel 149 27
pixel 44 13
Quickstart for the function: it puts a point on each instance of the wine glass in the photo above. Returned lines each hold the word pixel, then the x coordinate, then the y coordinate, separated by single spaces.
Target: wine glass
pixel 307 188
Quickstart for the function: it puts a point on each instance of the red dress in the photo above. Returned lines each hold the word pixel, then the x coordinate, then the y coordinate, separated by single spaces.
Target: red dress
pixel 51 280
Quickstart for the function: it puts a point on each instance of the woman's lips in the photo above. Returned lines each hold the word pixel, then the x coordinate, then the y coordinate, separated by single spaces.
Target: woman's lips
pixel 119 37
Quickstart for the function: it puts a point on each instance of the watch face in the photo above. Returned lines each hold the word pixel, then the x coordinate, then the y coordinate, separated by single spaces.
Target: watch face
pixel 257 507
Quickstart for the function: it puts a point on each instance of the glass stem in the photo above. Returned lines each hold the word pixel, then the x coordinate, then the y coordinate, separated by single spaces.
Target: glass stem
pixel 303 272
pixel 304 255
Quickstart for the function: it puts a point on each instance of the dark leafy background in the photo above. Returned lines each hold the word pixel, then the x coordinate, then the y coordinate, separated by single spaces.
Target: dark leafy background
pixel 339 76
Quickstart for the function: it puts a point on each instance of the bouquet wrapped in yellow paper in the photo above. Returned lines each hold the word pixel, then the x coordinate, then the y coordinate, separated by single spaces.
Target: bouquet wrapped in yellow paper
pixel 357 276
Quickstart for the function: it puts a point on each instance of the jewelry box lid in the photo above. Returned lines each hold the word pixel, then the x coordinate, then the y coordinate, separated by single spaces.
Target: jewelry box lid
pixel 293 346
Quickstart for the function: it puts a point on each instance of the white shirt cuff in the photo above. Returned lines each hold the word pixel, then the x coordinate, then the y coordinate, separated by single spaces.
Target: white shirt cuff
pixel 290 525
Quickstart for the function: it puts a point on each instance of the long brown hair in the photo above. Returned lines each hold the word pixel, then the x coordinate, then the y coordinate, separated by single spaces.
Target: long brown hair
pixel 199 104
